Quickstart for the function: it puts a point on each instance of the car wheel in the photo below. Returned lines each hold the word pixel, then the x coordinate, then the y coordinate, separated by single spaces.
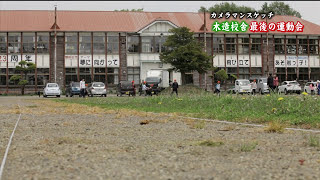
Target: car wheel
pixel 67 95
pixel 285 91
pixel 298 92
pixel 58 96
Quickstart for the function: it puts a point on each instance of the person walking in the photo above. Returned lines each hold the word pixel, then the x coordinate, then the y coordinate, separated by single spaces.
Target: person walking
pixel 270 83
pixel 275 82
pixel 311 88
pixel 82 88
pixel 254 87
pixel 318 87
pixel 144 88
pixel 218 86
pixel 175 87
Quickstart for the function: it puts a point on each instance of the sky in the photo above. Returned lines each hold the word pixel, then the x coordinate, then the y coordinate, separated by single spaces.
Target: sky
pixel 308 9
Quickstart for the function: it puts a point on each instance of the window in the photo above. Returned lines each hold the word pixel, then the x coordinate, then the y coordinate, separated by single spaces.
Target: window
pixel 279 46
pixel 209 49
pixel 28 42
pixel 218 45
pixel 230 45
pixel 134 75
pixel 303 46
pixel 112 77
pixel 291 46
pixel 3 43
pixel 85 43
pixel 255 45
pixel 71 45
pixel 159 41
pixel 43 43
pixel 243 45
pixel 313 46
pixel 147 44
pixel 14 41
pixel 113 44
pixel 133 44
pixel 98 43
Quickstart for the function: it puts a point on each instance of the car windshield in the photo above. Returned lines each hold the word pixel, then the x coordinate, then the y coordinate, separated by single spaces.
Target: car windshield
pixel 98 85
pixel 152 79
pixel 52 85
pixel 294 83
pixel 264 80
pixel 75 84
pixel 244 83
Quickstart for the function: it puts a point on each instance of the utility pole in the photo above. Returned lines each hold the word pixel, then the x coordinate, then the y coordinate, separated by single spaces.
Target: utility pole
pixel 205 45
pixel 55 43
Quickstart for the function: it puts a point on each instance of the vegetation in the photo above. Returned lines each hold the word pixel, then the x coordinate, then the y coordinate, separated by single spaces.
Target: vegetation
pixel 211 143
pixel 278 8
pixel 275 127
pixel 314 141
pixel 193 102
pixel 132 10
pixel 185 53
pixel 24 67
pixel 247 147
pixel 225 6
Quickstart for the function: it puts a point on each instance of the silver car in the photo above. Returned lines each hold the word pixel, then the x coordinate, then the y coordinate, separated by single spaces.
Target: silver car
pixel 262 86
pixel 307 87
pixel 51 89
pixel 289 86
pixel 97 88
pixel 242 86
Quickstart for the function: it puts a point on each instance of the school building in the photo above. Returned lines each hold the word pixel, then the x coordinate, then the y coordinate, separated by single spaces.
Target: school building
pixel 110 46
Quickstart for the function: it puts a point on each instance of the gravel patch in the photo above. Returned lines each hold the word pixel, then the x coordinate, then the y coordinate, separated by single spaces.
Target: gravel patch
pixel 62 144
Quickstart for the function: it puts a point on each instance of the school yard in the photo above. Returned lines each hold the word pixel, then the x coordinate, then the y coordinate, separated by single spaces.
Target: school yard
pixel 121 137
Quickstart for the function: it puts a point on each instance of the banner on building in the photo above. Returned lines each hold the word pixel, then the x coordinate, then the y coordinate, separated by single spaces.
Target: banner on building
pixel 291 61
pixel 3 61
pixel 71 61
pixel 13 60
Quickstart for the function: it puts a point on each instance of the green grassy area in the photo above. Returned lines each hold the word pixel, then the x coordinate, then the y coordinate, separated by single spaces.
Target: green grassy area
pixel 193 102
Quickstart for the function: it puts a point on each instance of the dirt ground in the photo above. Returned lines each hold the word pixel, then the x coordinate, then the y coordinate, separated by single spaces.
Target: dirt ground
pixel 62 141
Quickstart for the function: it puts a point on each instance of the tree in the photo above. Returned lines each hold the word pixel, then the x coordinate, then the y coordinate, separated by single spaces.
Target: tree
pixel 185 53
pixel 132 10
pixel 221 75
pixel 25 67
pixel 225 6
pixel 279 8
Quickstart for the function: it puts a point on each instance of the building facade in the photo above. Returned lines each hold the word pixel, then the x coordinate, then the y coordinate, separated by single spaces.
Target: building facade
pixel 114 46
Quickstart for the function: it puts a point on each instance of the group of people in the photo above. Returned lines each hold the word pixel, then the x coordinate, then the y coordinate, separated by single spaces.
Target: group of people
pixel 273 83
pixel 146 89
pixel 313 89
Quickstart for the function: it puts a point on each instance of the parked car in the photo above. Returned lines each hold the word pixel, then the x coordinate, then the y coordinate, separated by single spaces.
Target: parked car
pixel 97 88
pixel 242 86
pixel 126 87
pixel 289 87
pixel 231 90
pixel 51 89
pixel 73 89
pixel 307 87
pixel 262 86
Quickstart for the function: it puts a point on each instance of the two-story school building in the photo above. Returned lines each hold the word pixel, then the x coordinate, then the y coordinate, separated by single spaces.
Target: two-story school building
pixel 112 46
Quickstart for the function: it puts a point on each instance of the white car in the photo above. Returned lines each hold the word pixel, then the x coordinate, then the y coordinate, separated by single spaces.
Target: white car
pixel 289 86
pixel 52 89
pixel 242 86
pixel 307 87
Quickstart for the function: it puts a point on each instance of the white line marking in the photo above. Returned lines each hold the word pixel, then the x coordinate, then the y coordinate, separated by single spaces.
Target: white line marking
pixel 8 146
pixel 237 123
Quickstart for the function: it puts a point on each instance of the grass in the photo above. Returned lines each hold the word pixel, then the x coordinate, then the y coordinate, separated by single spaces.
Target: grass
pixel 314 141
pixel 247 147
pixel 275 127
pixel 193 102
pixel 211 143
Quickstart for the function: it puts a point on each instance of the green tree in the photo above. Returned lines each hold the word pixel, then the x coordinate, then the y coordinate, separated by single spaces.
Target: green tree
pixel 132 10
pixel 185 53
pixel 24 67
pixel 226 6
pixel 221 75
pixel 279 8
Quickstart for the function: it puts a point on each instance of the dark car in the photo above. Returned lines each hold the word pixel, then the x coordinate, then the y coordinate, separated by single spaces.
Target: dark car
pixel 126 87
pixel 73 89
pixel 153 85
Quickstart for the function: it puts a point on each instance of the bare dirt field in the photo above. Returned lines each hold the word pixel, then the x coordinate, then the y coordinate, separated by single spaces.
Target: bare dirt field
pixel 64 141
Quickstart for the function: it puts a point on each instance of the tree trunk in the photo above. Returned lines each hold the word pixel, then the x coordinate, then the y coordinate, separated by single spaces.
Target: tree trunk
pixel 183 78
pixel 22 89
